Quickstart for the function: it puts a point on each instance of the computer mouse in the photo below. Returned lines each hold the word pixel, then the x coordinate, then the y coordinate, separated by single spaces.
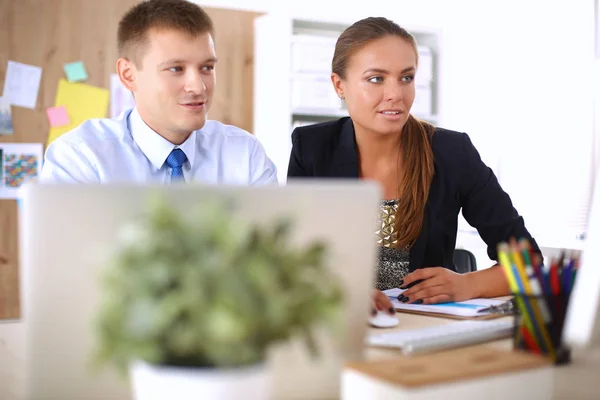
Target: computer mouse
pixel 383 320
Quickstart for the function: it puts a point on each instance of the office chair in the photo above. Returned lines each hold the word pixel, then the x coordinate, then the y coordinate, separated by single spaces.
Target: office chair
pixel 464 261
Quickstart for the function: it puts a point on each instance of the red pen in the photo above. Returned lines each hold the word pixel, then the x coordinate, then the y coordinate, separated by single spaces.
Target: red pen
pixel 529 340
pixel 554 278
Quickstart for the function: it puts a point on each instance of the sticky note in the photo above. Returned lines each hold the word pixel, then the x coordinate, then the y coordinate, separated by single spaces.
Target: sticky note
pixel 57 116
pixel 76 72
pixel 83 102
pixel 22 84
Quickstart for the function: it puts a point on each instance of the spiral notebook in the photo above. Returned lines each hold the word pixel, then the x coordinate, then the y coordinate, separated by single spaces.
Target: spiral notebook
pixel 475 308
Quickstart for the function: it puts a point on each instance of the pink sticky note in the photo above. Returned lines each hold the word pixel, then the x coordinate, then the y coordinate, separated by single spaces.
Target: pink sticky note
pixel 57 116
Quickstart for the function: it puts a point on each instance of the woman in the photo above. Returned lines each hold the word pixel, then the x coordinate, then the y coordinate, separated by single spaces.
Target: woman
pixel 428 174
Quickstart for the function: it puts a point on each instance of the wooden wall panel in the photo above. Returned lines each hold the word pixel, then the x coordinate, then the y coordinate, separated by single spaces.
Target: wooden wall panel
pixel 49 33
pixel 234 38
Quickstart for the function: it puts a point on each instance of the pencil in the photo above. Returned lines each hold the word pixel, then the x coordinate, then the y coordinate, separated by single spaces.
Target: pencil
pixel 504 260
pixel 538 321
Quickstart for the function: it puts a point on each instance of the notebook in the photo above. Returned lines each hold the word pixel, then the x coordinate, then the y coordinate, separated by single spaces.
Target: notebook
pixel 475 308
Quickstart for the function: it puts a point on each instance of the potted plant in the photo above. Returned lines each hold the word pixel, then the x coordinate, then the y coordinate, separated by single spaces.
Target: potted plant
pixel 191 304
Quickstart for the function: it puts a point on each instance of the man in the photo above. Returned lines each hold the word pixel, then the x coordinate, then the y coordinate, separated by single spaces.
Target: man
pixel 167 59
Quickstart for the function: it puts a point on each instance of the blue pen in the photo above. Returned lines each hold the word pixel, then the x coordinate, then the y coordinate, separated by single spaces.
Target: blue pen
pixel 542 279
pixel 567 276
pixel 532 268
pixel 546 274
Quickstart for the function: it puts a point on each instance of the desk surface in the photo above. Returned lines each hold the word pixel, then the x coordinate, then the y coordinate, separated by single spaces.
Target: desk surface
pixel 578 380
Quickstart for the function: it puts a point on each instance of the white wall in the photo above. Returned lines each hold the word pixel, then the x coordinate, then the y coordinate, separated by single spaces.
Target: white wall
pixel 495 53
pixel 516 77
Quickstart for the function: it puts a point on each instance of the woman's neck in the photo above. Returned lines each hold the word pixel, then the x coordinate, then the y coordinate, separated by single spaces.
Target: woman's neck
pixel 377 151
pixel 379 159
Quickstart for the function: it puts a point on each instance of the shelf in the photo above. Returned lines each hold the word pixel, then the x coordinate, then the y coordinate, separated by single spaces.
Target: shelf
pixel 319 112
pixel 429 118
pixel 317 28
pixel 303 38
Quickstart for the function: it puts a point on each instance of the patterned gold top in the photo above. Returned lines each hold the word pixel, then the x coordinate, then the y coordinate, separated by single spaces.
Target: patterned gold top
pixel 386 235
pixel 393 261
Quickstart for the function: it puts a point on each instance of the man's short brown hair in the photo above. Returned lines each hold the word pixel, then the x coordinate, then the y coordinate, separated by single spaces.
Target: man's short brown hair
pixel 180 15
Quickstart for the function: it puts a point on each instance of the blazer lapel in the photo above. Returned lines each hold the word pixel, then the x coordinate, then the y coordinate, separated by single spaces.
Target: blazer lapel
pixel 344 160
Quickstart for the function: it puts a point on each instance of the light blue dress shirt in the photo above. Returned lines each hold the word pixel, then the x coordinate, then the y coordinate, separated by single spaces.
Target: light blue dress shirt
pixel 125 149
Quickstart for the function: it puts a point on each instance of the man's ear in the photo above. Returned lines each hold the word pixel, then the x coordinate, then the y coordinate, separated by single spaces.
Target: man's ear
pixel 126 71
pixel 338 84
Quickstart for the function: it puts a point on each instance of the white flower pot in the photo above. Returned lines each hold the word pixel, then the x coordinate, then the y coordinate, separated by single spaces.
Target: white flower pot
pixel 159 382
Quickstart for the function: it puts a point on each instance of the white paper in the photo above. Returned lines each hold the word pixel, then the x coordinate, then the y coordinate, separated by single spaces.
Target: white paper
pixel 6 127
pixel 121 99
pixel 19 163
pixel 469 308
pixel 22 84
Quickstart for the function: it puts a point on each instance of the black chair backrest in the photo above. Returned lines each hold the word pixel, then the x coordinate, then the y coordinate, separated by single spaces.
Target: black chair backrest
pixel 464 261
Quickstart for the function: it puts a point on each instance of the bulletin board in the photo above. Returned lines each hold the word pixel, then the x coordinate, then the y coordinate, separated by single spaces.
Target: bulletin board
pixel 52 33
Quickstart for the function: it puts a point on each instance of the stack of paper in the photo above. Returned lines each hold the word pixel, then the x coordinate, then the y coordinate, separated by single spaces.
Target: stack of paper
pixel 469 308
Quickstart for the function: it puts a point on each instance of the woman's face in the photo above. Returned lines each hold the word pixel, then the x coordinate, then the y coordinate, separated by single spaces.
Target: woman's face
pixel 379 86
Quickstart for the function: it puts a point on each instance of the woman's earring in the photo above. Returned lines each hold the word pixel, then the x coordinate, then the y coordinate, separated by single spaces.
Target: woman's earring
pixel 342 96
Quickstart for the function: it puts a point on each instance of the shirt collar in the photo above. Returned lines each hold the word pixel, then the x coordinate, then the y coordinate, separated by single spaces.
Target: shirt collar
pixel 155 147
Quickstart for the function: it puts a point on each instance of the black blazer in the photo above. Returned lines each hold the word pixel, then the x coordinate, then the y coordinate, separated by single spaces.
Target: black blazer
pixel 461 180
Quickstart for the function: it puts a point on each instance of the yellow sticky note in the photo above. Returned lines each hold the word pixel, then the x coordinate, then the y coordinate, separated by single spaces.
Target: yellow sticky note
pixel 83 102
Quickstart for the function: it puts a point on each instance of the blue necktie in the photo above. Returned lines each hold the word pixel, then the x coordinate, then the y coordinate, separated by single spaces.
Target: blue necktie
pixel 175 160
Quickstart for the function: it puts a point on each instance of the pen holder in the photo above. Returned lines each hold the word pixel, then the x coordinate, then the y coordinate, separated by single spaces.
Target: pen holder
pixel 539 321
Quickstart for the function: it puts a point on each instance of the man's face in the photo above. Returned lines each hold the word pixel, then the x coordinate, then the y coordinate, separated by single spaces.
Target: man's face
pixel 173 82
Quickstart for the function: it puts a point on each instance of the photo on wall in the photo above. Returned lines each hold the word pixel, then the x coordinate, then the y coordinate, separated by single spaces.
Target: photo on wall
pixel 20 163
pixel 6 127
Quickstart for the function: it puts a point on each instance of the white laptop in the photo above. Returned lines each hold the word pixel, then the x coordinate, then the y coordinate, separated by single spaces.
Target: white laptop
pixel 65 227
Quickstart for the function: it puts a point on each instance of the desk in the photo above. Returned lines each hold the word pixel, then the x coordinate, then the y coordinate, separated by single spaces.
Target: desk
pixel 578 380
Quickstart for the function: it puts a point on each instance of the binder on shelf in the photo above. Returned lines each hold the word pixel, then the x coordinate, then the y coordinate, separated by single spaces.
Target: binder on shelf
pixel 314 92
pixel 423 101
pixel 425 68
pixel 312 53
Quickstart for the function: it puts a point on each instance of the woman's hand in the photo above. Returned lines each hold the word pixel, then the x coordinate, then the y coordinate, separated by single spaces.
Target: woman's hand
pixel 437 285
pixel 380 302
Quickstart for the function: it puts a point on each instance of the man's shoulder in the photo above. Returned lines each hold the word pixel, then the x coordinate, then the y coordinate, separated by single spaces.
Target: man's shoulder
pixel 95 131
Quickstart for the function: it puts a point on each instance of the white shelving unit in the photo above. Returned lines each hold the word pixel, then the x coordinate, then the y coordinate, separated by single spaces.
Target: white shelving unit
pixel 292 85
